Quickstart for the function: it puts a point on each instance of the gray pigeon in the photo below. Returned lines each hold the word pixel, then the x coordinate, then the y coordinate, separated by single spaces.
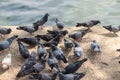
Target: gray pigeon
pixel 78 35
pixel 59 24
pixel 32 41
pixel 78 51
pixel 95 47
pixel 42 53
pixel 5 31
pixel 42 21
pixel 68 44
pixel 31 61
pixel 72 68
pixel 29 29
pixel 53 62
pixel 74 76
pixel 88 24
pixel 58 53
pixel 6 43
pixel 43 76
pixel 23 50
pixel 113 29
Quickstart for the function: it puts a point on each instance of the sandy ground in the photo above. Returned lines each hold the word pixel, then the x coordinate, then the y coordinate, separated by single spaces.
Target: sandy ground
pixel 104 66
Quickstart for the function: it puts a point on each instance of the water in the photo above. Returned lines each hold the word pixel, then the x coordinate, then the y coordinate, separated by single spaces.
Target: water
pixel 25 12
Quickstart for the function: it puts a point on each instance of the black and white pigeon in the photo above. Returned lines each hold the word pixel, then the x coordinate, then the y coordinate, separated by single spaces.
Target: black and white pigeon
pixel 42 52
pixel 95 47
pixel 72 68
pixel 29 29
pixel 31 61
pixel 78 51
pixel 46 37
pixel 32 41
pixel 88 24
pixel 7 42
pixel 68 44
pixel 113 29
pixel 43 76
pixel 53 62
pixel 78 35
pixel 59 24
pixel 42 21
pixel 58 53
pixel 4 31
pixel 74 76
pixel 23 50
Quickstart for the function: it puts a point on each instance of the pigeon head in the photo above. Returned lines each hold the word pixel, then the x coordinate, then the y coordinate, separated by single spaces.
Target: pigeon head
pixel 96 22
pixel 64 32
pixel 53 47
pixel 76 44
pixel 16 36
pixel 9 30
pixel 33 54
pixel 38 39
pixel 47 15
pixel 94 41
pixel 56 20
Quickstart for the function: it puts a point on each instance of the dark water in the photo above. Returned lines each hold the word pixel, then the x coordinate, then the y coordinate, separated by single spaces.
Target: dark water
pixel 25 12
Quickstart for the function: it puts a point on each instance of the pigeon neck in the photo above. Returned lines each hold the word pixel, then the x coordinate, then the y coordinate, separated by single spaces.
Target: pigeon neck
pixel 11 39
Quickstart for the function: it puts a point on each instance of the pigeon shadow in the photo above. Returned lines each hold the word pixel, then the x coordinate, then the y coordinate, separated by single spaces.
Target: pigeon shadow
pixel 92 57
pixel 72 59
pixel 109 35
pixel 66 52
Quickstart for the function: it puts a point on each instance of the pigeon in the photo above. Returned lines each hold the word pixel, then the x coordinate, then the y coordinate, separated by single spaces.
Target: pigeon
pixel 59 24
pixel 113 29
pixel 31 61
pixel 68 44
pixel 23 50
pixel 42 53
pixel 6 62
pixel 78 35
pixel 54 41
pixel 78 51
pixel 6 43
pixel 29 29
pixel 72 68
pixel 30 41
pixel 46 37
pixel 58 53
pixel 5 31
pixel 88 24
pixel 43 76
pixel 95 47
pixel 53 62
pixel 56 32
pixel 37 68
pixel 42 21
pixel 74 76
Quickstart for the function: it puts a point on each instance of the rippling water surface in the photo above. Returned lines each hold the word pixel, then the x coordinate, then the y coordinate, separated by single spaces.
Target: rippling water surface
pixel 25 12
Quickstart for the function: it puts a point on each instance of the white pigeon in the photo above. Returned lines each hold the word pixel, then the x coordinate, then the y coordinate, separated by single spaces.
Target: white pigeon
pixel 6 62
